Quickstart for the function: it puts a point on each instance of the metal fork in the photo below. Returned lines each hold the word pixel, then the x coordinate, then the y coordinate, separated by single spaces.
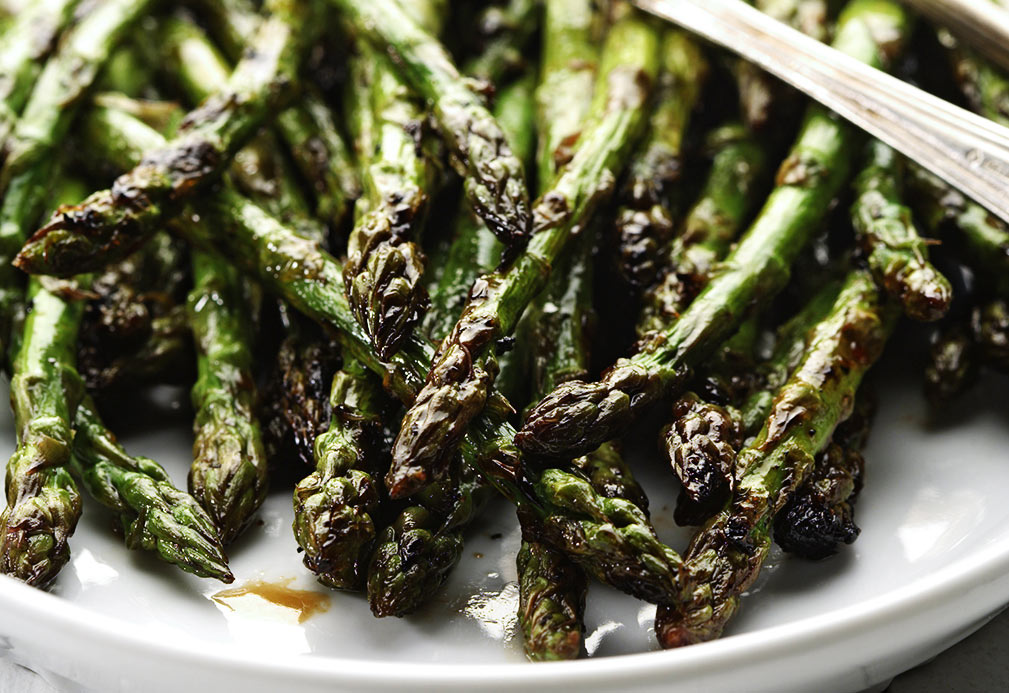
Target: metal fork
pixel 969 152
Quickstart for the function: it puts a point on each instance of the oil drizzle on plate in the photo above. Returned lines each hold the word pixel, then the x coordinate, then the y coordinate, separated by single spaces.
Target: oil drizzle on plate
pixel 250 597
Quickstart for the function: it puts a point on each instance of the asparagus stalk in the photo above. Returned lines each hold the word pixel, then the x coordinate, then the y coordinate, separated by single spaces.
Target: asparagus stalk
pixel 115 221
pixel 552 586
pixel 316 144
pixel 644 222
pixel 43 504
pixel 458 383
pixel 982 239
pixel 610 538
pixel 153 513
pixel 897 254
pixel 419 549
pixel 46 118
pixel 494 181
pixel 259 170
pixel 551 603
pixel 571 32
pixel 739 166
pixel 228 475
pixel 700 444
pixel 726 556
pixel 384 261
pixel 820 515
pixel 333 506
pixel 701 441
pixel 578 416
pixel 23 46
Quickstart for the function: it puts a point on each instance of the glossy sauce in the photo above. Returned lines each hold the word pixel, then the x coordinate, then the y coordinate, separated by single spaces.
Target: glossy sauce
pixel 249 597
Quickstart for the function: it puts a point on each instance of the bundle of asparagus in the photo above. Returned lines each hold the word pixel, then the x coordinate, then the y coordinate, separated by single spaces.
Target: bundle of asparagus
pixel 463 305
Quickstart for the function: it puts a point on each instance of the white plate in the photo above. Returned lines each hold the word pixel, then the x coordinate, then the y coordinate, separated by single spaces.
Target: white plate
pixel 932 563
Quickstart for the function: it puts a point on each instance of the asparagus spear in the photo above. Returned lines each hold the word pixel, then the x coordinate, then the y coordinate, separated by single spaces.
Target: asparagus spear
pixel 644 221
pixel 46 118
pixel 494 180
pixel 418 550
pixel 897 255
pixel 43 504
pixel 333 506
pixel 726 556
pixel 820 515
pixel 571 31
pixel 113 222
pixel 701 441
pixel 551 602
pixel 259 170
pixel 228 475
pixel 578 416
pixel 551 586
pixel 308 128
pixel 384 261
pixel 610 538
pixel 982 239
pixel 700 444
pixel 458 383
pixel 154 515
pixel 23 46
pixel 740 163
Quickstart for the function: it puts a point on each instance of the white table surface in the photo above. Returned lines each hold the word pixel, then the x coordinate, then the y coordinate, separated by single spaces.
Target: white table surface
pixel 979 664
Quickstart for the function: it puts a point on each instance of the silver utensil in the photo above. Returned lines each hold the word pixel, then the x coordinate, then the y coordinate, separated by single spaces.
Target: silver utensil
pixel 969 152
pixel 982 23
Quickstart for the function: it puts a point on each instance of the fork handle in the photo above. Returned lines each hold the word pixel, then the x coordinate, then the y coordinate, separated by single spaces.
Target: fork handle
pixel 969 152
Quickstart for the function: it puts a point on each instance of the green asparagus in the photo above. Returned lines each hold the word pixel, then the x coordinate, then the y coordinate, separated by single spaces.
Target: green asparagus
pixel 739 167
pixel 333 505
pixel 43 504
pixel 897 255
pixel 44 122
pixel 967 227
pixel 23 47
pixel 610 538
pixel 384 261
pixel 725 557
pixel 316 144
pixel 153 513
pixel 494 181
pixel 645 220
pixel 571 33
pixel 418 550
pixel 113 222
pixel 228 474
pixel 820 515
pixel 458 383
pixel 578 416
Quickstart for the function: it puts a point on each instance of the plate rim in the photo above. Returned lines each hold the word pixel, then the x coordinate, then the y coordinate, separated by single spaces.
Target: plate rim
pixel 947 586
